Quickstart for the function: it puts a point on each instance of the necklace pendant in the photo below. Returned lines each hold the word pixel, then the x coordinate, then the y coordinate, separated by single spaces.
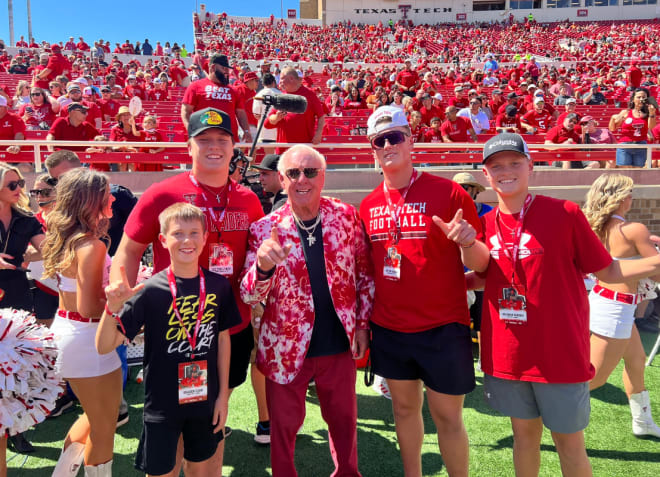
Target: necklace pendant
pixel 311 240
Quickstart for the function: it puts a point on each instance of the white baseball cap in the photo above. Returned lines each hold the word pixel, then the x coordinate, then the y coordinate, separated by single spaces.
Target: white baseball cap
pixel 384 118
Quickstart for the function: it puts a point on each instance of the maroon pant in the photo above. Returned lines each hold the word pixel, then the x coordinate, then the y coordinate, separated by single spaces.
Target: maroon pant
pixel 335 387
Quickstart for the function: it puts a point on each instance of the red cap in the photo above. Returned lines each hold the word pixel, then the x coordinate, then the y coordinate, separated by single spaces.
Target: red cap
pixel 250 75
pixel 55 46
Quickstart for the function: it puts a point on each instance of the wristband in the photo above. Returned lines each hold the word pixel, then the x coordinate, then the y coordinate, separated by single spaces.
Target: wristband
pixel 469 246
pixel 116 316
pixel 652 116
pixel 265 274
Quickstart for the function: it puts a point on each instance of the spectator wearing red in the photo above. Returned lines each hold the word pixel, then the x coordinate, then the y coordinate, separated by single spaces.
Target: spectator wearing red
pixel 150 133
pixel 11 127
pixel 72 128
pixel 178 75
pixel 109 106
pixel 70 45
pixel 215 92
pixel 496 101
pixel 459 100
pixel 21 43
pixel 159 91
pixel 433 133
pixel 408 79
pixel 508 121
pixel 293 127
pixel 539 119
pixel 635 74
pixel 125 131
pixel 57 65
pixel 248 90
pixel 430 110
pixel 334 103
pixel 565 133
pixel 417 127
pixel 81 45
pixel 40 113
pixel 354 99
pixel 569 108
pixel 133 88
pixel 512 99
pixel 455 128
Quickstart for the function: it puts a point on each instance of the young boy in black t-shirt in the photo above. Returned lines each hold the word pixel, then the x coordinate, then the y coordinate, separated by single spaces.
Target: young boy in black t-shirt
pixel 186 354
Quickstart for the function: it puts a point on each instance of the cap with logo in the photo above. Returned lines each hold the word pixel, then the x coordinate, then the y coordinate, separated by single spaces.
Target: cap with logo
pixel 384 118
pixel 505 142
pixel 571 101
pixel 219 59
pixel 208 118
pixel 465 178
pixel 76 107
pixel 269 163
pixel 250 75
pixel 538 99
pixel 72 87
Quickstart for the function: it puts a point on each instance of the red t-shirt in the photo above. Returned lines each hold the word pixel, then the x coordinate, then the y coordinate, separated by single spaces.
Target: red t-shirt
pixel 457 131
pixel 62 130
pixel 504 121
pixel 634 129
pixel 57 64
pixel 118 134
pixel 10 125
pixel 159 95
pixel 559 135
pixel 247 95
pixel 540 121
pixel 431 291
pixel 407 78
pixel 433 112
pixel 204 93
pixel 244 208
pixel 558 247
pixel 109 107
pixel 37 115
pixel 431 135
pixel 459 103
pixel 295 128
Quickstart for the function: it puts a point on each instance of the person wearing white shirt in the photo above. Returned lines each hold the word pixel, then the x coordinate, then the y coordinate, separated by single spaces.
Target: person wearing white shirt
pixel 258 107
pixel 479 120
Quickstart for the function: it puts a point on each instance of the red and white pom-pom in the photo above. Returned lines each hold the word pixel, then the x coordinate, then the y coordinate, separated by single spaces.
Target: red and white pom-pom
pixel 29 384
pixel 144 273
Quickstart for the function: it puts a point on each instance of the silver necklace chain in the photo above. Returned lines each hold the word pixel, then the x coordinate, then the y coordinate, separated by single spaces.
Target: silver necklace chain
pixel 311 240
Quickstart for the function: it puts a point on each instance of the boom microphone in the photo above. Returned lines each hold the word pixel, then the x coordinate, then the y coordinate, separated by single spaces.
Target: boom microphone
pixel 289 103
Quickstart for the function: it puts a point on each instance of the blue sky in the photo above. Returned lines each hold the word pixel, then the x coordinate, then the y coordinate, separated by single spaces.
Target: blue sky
pixel 118 20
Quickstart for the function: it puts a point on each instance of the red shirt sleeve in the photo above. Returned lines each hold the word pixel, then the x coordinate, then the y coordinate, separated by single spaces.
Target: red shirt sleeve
pixel 141 225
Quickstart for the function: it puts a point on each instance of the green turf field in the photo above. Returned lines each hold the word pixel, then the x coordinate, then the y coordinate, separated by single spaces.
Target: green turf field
pixel 612 448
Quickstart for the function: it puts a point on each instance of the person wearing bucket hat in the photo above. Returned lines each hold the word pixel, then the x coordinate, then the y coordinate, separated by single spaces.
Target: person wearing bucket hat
pixel 126 130
pixel 229 208
pixel 530 308
pixel 407 305
pixel 215 92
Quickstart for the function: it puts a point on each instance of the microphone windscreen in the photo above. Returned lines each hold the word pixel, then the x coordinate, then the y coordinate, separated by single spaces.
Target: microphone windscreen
pixel 290 103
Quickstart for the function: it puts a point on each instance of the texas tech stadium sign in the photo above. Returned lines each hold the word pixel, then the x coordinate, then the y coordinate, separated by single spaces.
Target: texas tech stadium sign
pixel 372 11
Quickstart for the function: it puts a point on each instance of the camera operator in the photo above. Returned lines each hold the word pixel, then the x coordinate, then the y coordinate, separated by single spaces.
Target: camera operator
pixel 270 183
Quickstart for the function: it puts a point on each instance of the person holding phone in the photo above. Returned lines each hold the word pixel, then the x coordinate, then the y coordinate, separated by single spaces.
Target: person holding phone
pixel 635 123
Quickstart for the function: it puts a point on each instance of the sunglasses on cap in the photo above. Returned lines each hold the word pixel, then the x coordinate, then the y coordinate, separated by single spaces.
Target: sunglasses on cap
pixel 13 185
pixel 41 192
pixel 309 172
pixel 393 137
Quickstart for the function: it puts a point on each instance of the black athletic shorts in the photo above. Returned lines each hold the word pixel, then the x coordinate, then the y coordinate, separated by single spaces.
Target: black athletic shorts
pixel 441 357
pixel 156 453
pixel 241 348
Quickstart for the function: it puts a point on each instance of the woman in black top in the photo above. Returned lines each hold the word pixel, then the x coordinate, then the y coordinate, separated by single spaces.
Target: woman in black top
pixel 18 229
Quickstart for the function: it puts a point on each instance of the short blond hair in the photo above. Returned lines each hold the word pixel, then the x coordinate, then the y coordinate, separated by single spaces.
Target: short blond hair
pixel 180 211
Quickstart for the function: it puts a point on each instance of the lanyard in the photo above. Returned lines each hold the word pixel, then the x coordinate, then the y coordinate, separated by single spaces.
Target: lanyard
pixel 395 233
pixel 517 234
pixel 200 310
pixel 217 221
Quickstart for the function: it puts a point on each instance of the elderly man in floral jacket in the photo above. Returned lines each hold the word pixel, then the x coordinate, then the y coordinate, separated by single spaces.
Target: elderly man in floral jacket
pixel 308 262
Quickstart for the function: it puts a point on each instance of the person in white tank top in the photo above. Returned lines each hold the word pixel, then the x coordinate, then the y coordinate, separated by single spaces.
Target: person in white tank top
pixel 614 335
pixel 75 255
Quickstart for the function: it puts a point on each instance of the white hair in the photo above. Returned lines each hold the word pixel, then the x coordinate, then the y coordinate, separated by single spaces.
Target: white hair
pixel 303 149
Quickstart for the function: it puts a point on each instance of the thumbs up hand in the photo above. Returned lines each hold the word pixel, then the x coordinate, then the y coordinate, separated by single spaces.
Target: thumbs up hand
pixel 458 229
pixel 271 252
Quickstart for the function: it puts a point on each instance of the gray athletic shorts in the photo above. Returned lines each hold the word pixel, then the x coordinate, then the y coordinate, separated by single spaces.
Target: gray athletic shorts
pixel 563 407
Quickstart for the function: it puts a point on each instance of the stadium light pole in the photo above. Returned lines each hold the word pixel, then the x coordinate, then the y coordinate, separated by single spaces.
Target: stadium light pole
pixel 10 8
pixel 29 18
pixel 281 9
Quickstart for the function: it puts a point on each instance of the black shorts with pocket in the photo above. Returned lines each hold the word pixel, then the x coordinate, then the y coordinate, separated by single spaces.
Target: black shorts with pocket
pixel 241 349
pixel 441 357
pixel 156 453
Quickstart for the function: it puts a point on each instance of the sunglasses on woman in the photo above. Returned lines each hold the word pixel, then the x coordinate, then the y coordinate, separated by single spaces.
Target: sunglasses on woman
pixel 13 185
pixel 41 192
pixel 309 172
pixel 393 137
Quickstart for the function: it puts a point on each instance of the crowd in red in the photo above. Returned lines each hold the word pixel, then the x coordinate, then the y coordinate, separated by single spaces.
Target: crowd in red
pixel 621 58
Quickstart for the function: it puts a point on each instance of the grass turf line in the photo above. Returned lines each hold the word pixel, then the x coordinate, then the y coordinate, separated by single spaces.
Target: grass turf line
pixel 612 448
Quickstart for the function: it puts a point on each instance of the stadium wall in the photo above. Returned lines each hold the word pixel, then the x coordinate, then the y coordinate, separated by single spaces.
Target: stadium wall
pixel 451 11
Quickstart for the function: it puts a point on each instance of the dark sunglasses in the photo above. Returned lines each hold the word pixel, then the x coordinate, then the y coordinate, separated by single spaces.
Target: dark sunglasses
pixel 13 185
pixel 309 172
pixel 393 137
pixel 35 94
pixel 41 192
pixel 51 181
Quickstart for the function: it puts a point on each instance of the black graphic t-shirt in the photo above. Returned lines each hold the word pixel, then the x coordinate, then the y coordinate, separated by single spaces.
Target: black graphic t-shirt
pixel 166 343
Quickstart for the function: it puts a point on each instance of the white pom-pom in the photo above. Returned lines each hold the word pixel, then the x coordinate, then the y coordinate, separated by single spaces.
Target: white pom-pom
pixel 29 384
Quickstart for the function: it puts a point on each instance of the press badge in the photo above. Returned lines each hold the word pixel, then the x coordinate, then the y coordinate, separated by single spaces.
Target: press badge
pixel 392 267
pixel 221 259
pixel 513 306
pixel 193 382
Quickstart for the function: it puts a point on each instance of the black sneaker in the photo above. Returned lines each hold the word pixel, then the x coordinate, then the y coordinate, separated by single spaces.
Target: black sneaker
pixel 20 444
pixel 63 404
pixel 262 436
